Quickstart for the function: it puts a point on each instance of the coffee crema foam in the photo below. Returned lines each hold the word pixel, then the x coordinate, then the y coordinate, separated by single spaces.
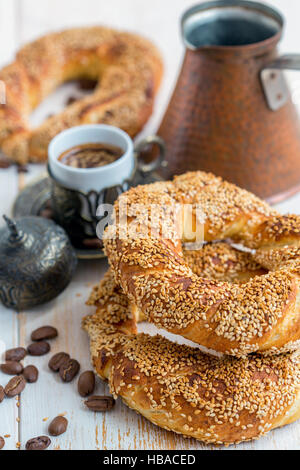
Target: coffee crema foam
pixel 91 155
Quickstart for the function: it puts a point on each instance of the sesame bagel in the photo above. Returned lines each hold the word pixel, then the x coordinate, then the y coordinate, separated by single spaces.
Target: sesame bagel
pixel 216 400
pixel 127 67
pixel 260 315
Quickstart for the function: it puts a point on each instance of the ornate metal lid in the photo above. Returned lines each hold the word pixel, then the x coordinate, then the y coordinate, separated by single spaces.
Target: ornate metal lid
pixel 37 262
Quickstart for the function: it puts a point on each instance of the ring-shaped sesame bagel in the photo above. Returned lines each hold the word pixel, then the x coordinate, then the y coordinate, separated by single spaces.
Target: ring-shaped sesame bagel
pixel 261 315
pixel 128 70
pixel 177 387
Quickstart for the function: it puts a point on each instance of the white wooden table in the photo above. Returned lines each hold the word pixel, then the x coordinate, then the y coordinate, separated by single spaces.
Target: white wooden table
pixel 23 20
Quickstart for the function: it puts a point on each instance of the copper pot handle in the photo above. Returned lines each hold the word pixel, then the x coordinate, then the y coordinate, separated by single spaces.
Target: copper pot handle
pixel 159 161
pixel 273 81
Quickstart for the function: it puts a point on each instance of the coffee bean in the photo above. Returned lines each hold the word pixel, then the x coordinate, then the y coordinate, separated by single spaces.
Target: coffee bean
pixel 22 169
pixel 44 332
pixel 69 370
pixel 58 426
pixel 2 442
pixel 92 243
pixel 12 368
pixel 100 403
pixel 58 360
pixel 2 393
pixel 15 386
pixel 86 383
pixel 30 374
pixel 38 443
pixel 4 162
pixel 15 354
pixel 38 349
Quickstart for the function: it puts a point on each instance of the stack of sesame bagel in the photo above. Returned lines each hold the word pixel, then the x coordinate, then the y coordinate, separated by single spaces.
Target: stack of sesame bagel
pixel 242 302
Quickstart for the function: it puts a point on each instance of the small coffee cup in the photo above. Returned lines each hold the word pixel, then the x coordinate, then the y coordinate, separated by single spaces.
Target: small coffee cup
pixel 77 192
pixel 88 179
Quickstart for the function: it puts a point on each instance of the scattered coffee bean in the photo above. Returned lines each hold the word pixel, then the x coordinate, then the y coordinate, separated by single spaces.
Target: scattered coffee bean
pixel 58 426
pixel 69 370
pixel 22 169
pixel 2 393
pixel 38 443
pixel 38 349
pixel 100 403
pixel 92 243
pixel 86 383
pixel 15 386
pixel 12 368
pixel 44 332
pixel 4 162
pixel 30 374
pixel 58 360
pixel 15 354
pixel 2 442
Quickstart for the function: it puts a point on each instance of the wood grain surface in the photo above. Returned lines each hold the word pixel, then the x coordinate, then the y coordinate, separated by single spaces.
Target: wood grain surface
pixel 21 21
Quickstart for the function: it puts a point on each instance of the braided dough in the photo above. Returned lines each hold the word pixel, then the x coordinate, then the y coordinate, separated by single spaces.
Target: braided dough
pixel 261 315
pixel 216 400
pixel 127 67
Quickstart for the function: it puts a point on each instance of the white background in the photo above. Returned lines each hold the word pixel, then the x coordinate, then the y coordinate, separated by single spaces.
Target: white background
pixel 22 21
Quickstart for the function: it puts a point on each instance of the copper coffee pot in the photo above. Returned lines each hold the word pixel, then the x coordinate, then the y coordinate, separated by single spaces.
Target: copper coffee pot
pixel 231 112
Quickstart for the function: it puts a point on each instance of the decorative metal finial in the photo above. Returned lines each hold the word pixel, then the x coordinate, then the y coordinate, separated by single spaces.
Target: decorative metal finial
pixel 12 226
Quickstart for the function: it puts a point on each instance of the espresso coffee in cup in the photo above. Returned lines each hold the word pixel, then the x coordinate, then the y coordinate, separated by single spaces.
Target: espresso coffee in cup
pixel 89 166
pixel 91 155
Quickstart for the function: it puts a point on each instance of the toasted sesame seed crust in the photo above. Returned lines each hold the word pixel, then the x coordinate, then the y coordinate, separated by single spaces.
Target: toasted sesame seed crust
pixel 216 400
pixel 258 315
pixel 129 68
pixel 221 261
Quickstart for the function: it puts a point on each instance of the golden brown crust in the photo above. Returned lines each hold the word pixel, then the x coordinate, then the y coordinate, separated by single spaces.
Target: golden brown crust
pixel 259 315
pixel 221 261
pixel 216 400
pixel 128 68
